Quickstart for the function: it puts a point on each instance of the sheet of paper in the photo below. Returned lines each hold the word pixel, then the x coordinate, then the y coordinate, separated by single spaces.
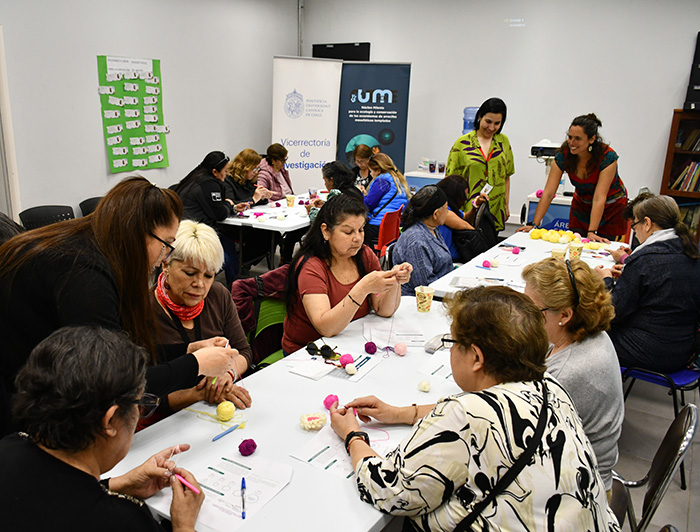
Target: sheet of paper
pixel 327 452
pixel 391 333
pixel 312 368
pixel 438 366
pixel 470 282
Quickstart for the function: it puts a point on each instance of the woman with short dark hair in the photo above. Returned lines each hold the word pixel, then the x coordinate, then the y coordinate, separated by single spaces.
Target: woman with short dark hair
pixel 448 469
pixel 78 400
pixel 273 175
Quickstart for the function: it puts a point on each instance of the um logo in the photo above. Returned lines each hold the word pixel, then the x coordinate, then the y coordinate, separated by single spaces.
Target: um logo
pixel 375 96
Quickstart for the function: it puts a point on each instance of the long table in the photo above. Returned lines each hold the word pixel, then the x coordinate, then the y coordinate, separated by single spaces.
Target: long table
pixel 268 217
pixel 314 500
pixel 510 265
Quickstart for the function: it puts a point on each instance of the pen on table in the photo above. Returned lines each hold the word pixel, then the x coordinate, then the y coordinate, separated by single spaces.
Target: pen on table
pixel 243 497
pixel 224 433
pixel 181 479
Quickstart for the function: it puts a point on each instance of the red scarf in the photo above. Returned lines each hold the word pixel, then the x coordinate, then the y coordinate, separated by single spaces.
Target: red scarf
pixel 183 312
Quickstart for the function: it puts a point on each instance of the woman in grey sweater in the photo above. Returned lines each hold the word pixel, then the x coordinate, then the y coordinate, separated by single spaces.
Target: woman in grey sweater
pixel 577 310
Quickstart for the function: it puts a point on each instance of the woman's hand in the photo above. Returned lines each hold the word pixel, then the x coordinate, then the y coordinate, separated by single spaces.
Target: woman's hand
pixel 239 396
pixel 402 272
pixel 148 478
pixel 343 421
pixel 215 387
pixel 617 254
pixel 371 407
pixel 524 229
pixel 378 282
pixel 186 503
pixel 595 238
pixel 214 341
pixel 480 199
pixel 603 271
pixel 240 207
pixel 261 193
pixel 215 361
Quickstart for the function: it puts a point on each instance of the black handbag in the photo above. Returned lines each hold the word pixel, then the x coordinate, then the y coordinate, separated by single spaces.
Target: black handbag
pixel 473 242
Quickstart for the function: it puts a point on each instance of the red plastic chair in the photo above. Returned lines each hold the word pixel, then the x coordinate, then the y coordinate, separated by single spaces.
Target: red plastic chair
pixel 389 231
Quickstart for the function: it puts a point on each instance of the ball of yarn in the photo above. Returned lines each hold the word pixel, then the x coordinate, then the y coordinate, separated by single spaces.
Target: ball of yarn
pixel 329 400
pixel 516 251
pixel 346 359
pixel 278 204
pixel 350 369
pixel 370 348
pixel 313 421
pixel 424 386
pixel 247 447
pixel 539 193
pixel 577 235
pixel 494 263
pixel 486 264
pixel 225 410
pixel 585 240
pixel 400 349
pixel 281 217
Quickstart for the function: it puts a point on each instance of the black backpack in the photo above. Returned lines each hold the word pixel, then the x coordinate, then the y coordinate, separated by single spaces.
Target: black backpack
pixel 473 242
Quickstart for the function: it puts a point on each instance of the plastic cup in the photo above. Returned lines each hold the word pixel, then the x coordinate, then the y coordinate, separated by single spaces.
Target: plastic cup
pixel 559 253
pixel 575 250
pixel 441 167
pixel 424 298
pixel 313 193
pixel 291 200
pixel 432 166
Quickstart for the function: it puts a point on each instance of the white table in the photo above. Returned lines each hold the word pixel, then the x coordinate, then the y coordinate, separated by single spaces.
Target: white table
pixel 294 218
pixel 510 274
pixel 314 500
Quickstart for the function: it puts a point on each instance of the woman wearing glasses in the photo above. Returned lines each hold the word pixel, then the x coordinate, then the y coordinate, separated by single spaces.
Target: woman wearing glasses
pixel 190 307
pixel 451 467
pixel 203 196
pixel 577 310
pixel 95 270
pixel 657 295
pixel 273 175
pixel 78 400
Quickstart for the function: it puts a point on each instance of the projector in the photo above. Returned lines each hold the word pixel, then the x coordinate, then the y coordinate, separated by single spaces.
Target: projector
pixel 544 148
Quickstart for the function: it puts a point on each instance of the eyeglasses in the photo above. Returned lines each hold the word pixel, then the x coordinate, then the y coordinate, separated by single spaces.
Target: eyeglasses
pixel 635 223
pixel 326 350
pixel 577 298
pixel 545 309
pixel 446 340
pixel 167 245
pixel 147 404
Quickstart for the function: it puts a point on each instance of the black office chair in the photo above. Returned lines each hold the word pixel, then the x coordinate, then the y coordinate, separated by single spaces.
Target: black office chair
pixel 45 215
pixel 88 206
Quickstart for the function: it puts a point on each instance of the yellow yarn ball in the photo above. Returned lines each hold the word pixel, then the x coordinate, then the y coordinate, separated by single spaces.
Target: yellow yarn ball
pixel 225 410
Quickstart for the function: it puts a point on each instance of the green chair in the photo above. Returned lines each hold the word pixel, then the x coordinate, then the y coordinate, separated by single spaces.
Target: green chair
pixel 272 312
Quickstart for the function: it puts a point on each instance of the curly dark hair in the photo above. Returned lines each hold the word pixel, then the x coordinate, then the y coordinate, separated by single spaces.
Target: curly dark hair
pixel 70 381
pixel 590 124
pixel 506 326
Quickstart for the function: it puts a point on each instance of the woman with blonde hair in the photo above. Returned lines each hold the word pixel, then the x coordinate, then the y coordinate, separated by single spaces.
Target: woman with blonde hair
pixel 577 310
pixel 387 192
pixel 657 296
pixel 241 181
pixel 190 308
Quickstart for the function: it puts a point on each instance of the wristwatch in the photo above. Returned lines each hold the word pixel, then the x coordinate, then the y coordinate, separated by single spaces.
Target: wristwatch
pixel 353 434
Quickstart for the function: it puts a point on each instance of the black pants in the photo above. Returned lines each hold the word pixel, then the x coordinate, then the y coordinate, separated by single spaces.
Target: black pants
pixel 371 235
pixel 289 240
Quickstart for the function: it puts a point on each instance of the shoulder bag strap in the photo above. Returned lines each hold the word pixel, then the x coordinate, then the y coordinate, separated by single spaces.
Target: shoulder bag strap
pixel 387 203
pixel 515 469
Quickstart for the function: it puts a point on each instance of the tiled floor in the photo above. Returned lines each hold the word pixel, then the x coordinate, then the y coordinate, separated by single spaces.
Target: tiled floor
pixel 648 414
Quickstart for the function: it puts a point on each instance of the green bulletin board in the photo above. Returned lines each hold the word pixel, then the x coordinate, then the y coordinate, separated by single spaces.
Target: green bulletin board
pixel 132 113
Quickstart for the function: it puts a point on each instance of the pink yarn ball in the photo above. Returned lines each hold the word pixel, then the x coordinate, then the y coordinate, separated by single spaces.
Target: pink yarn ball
pixel 486 264
pixel 585 240
pixel 329 400
pixel 346 359
pixel 516 251
pixel 370 348
pixel 539 193
pixel 400 349
pixel 577 235
pixel 247 447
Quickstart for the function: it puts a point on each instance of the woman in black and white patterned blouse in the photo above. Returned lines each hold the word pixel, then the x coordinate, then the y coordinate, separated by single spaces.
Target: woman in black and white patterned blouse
pixel 460 447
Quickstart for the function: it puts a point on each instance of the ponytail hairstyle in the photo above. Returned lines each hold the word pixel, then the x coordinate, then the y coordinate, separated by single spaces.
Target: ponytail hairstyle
pixel 333 213
pixel 590 124
pixel 455 188
pixel 382 163
pixel 343 178
pixel 215 160
pixel 422 205
pixel 664 212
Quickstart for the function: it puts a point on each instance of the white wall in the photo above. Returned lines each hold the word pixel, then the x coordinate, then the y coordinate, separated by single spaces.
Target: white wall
pixel 216 63
pixel 626 60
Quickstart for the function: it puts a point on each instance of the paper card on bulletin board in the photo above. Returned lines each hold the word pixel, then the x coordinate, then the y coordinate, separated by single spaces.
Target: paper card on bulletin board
pixel 131 98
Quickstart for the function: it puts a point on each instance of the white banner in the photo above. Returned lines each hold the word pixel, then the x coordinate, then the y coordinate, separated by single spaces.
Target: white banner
pixel 305 95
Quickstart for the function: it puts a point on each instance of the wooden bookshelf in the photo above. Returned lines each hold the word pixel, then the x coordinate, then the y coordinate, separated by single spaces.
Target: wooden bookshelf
pixel 681 178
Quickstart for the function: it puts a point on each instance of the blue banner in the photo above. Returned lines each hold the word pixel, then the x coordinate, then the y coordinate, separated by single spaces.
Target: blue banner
pixel 374 110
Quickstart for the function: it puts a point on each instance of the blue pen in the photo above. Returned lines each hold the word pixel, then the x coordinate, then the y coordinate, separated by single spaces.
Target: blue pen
pixel 224 433
pixel 243 497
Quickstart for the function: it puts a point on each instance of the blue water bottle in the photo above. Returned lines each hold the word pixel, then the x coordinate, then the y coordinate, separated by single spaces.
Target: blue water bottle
pixel 469 116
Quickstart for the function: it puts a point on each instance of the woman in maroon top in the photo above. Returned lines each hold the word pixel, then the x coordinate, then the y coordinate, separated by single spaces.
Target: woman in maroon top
pixel 334 278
